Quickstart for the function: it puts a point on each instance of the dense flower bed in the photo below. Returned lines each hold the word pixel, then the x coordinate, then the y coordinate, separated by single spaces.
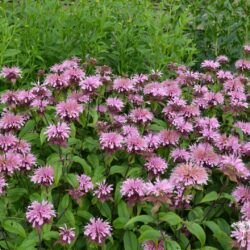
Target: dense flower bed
pixel 93 160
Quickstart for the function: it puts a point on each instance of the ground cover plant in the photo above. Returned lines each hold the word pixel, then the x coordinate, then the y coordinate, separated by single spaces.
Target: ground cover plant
pixel 94 160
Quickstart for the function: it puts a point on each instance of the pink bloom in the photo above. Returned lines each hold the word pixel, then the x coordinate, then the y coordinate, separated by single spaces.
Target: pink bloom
pixel 128 130
pixel 222 59
pixel 85 183
pixel 111 141
pixel 229 144
pixel 189 175
pixel 10 121
pixel 103 191
pixel 153 141
pixel 169 137
pixel 247 48
pixel 244 126
pixel 40 213
pixel 245 211
pixel 114 104
pixel 27 161
pixel 141 115
pixel 21 147
pixel 90 83
pixel 140 78
pixel 242 194
pixel 7 141
pixel 44 176
pixel 122 85
pixel 10 162
pixel 242 65
pixel 56 81
pixel 156 90
pixel 156 165
pixel 79 97
pixel 133 190
pixel 182 125
pixel 97 230
pixel 135 143
pixel 214 98
pixel 69 110
pixel 67 235
pixel 9 97
pixel 40 104
pixel 11 74
pixel 204 154
pixel 233 85
pixel 3 184
pixel 151 245
pixel 159 188
pixel 180 155
pixel 234 168
pixel 25 97
pixel 210 65
pixel 224 75
pixel 74 75
pixel 58 134
pixel 241 233
pixel 136 99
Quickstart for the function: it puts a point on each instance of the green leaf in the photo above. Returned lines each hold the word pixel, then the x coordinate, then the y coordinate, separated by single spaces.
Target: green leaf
pixel 173 245
pixel 123 210
pixel 119 222
pixel 11 52
pixel 151 234
pixel 85 165
pixel 43 136
pixel 171 218
pixel 130 241
pixel 84 214
pixel 57 172
pixel 72 180
pixel 197 231
pixel 104 209
pixel 140 218
pixel 14 227
pixel 212 196
pixel 28 127
pixel 15 194
pixel 118 170
pixel 50 235
pixel 70 218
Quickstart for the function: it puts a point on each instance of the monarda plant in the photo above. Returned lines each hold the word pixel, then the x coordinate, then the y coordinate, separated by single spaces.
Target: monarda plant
pixel 91 160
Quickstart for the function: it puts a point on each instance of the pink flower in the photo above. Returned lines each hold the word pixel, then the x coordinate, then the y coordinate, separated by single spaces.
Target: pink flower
pixel 40 213
pixel 242 64
pixel 9 97
pixel 56 81
pixel 189 175
pixel 7 141
pixel 133 190
pixel 204 154
pixel 241 233
pixel 67 235
pixel 151 245
pixel 10 162
pixel 40 105
pixel 247 48
pixel 140 78
pixel 21 147
pixel 27 161
pixel 136 99
pixel 210 65
pixel 222 59
pixel 103 191
pixel 214 98
pixel 155 90
pixel 141 115
pixel 97 230
pixel 90 83
pixel 169 137
pixel 25 97
pixel 3 184
pixel 85 183
pixel 180 155
pixel 114 104
pixel 128 130
pixel 153 141
pixel 234 168
pixel 69 110
pixel 11 74
pixel 156 165
pixel 74 75
pixel 111 141
pixel 224 75
pixel 242 194
pixel 44 176
pixel 245 211
pixel 58 134
pixel 182 125
pixel 135 143
pixel 160 188
pixel 122 85
pixel 10 121
pixel 244 126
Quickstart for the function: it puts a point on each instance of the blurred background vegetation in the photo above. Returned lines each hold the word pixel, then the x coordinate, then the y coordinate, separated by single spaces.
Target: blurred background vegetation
pixel 130 36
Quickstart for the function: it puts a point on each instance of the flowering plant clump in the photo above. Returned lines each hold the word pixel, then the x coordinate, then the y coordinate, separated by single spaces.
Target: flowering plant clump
pixel 90 160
